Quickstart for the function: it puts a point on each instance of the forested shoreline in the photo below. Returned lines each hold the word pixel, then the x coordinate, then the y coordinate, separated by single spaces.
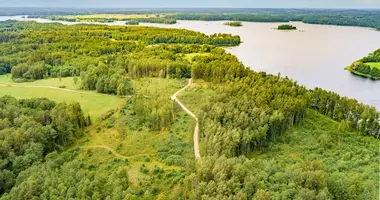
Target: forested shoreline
pixel 158 20
pixel 368 66
pixel 241 113
pixel 371 20
pixel 342 17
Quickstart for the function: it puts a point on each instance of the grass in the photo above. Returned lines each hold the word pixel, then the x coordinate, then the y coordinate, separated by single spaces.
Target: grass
pixel 373 65
pixel 190 56
pixel 92 103
pixel 68 82
pixel 141 146
pixel 199 91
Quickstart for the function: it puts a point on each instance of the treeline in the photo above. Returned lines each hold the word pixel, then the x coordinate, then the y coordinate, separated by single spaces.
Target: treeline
pixel 105 79
pixel 373 57
pixel 328 17
pixel 366 69
pixel 237 17
pixel 32 128
pixel 357 116
pixel 249 113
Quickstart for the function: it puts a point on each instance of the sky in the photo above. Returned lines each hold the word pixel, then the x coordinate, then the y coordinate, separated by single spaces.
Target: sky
pixel 193 3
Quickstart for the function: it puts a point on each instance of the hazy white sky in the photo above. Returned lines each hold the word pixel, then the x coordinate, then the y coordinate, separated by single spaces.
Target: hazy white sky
pixel 194 3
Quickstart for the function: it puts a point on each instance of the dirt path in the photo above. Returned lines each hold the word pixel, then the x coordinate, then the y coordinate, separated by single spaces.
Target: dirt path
pixel 115 153
pixel 36 86
pixel 196 129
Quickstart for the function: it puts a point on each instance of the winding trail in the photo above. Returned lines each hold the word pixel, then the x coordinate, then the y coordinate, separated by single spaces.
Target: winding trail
pixel 196 129
pixel 36 86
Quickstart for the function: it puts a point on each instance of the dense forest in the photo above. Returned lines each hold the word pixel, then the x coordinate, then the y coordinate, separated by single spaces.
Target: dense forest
pixel 368 66
pixel 262 136
pixel 328 17
pixel 99 55
pixel 32 128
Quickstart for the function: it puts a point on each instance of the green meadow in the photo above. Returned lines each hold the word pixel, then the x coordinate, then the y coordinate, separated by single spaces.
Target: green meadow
pixel 92 103
pixel 374 64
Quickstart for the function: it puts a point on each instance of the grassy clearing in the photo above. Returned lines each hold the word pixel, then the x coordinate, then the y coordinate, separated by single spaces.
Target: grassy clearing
pixel 190 56
pixel 142 146
pixel 54 82
pixel 165 87
pixel 373 65
pixel 92 103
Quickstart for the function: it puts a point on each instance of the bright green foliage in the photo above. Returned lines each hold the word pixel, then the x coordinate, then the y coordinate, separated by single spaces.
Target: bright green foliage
pixel 312 161
pixel 31 128
pixel 262 136
pixel 99 55
pixel 63 176
pixel 368 66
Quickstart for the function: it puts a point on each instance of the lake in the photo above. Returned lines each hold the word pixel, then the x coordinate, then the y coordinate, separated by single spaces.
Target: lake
pixel 314 55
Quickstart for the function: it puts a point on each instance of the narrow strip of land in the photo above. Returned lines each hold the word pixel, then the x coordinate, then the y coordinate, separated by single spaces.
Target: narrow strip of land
pixel 196 130
pixel 37 86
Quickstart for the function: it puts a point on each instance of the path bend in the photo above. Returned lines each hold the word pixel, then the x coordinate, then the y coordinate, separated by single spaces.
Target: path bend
pixel 196 129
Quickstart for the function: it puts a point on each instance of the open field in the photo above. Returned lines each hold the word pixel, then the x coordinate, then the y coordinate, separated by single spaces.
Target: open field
pixel 92 103
pixel 54 82
pixel 190 56
pixel 374 64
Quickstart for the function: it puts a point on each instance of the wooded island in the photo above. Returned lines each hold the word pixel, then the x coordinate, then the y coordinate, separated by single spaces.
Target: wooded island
pixel 237 24
pixel 368 66
pixel 286 27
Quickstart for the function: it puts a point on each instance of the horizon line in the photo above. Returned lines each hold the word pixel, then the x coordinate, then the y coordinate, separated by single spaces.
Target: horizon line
pixel 120 8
